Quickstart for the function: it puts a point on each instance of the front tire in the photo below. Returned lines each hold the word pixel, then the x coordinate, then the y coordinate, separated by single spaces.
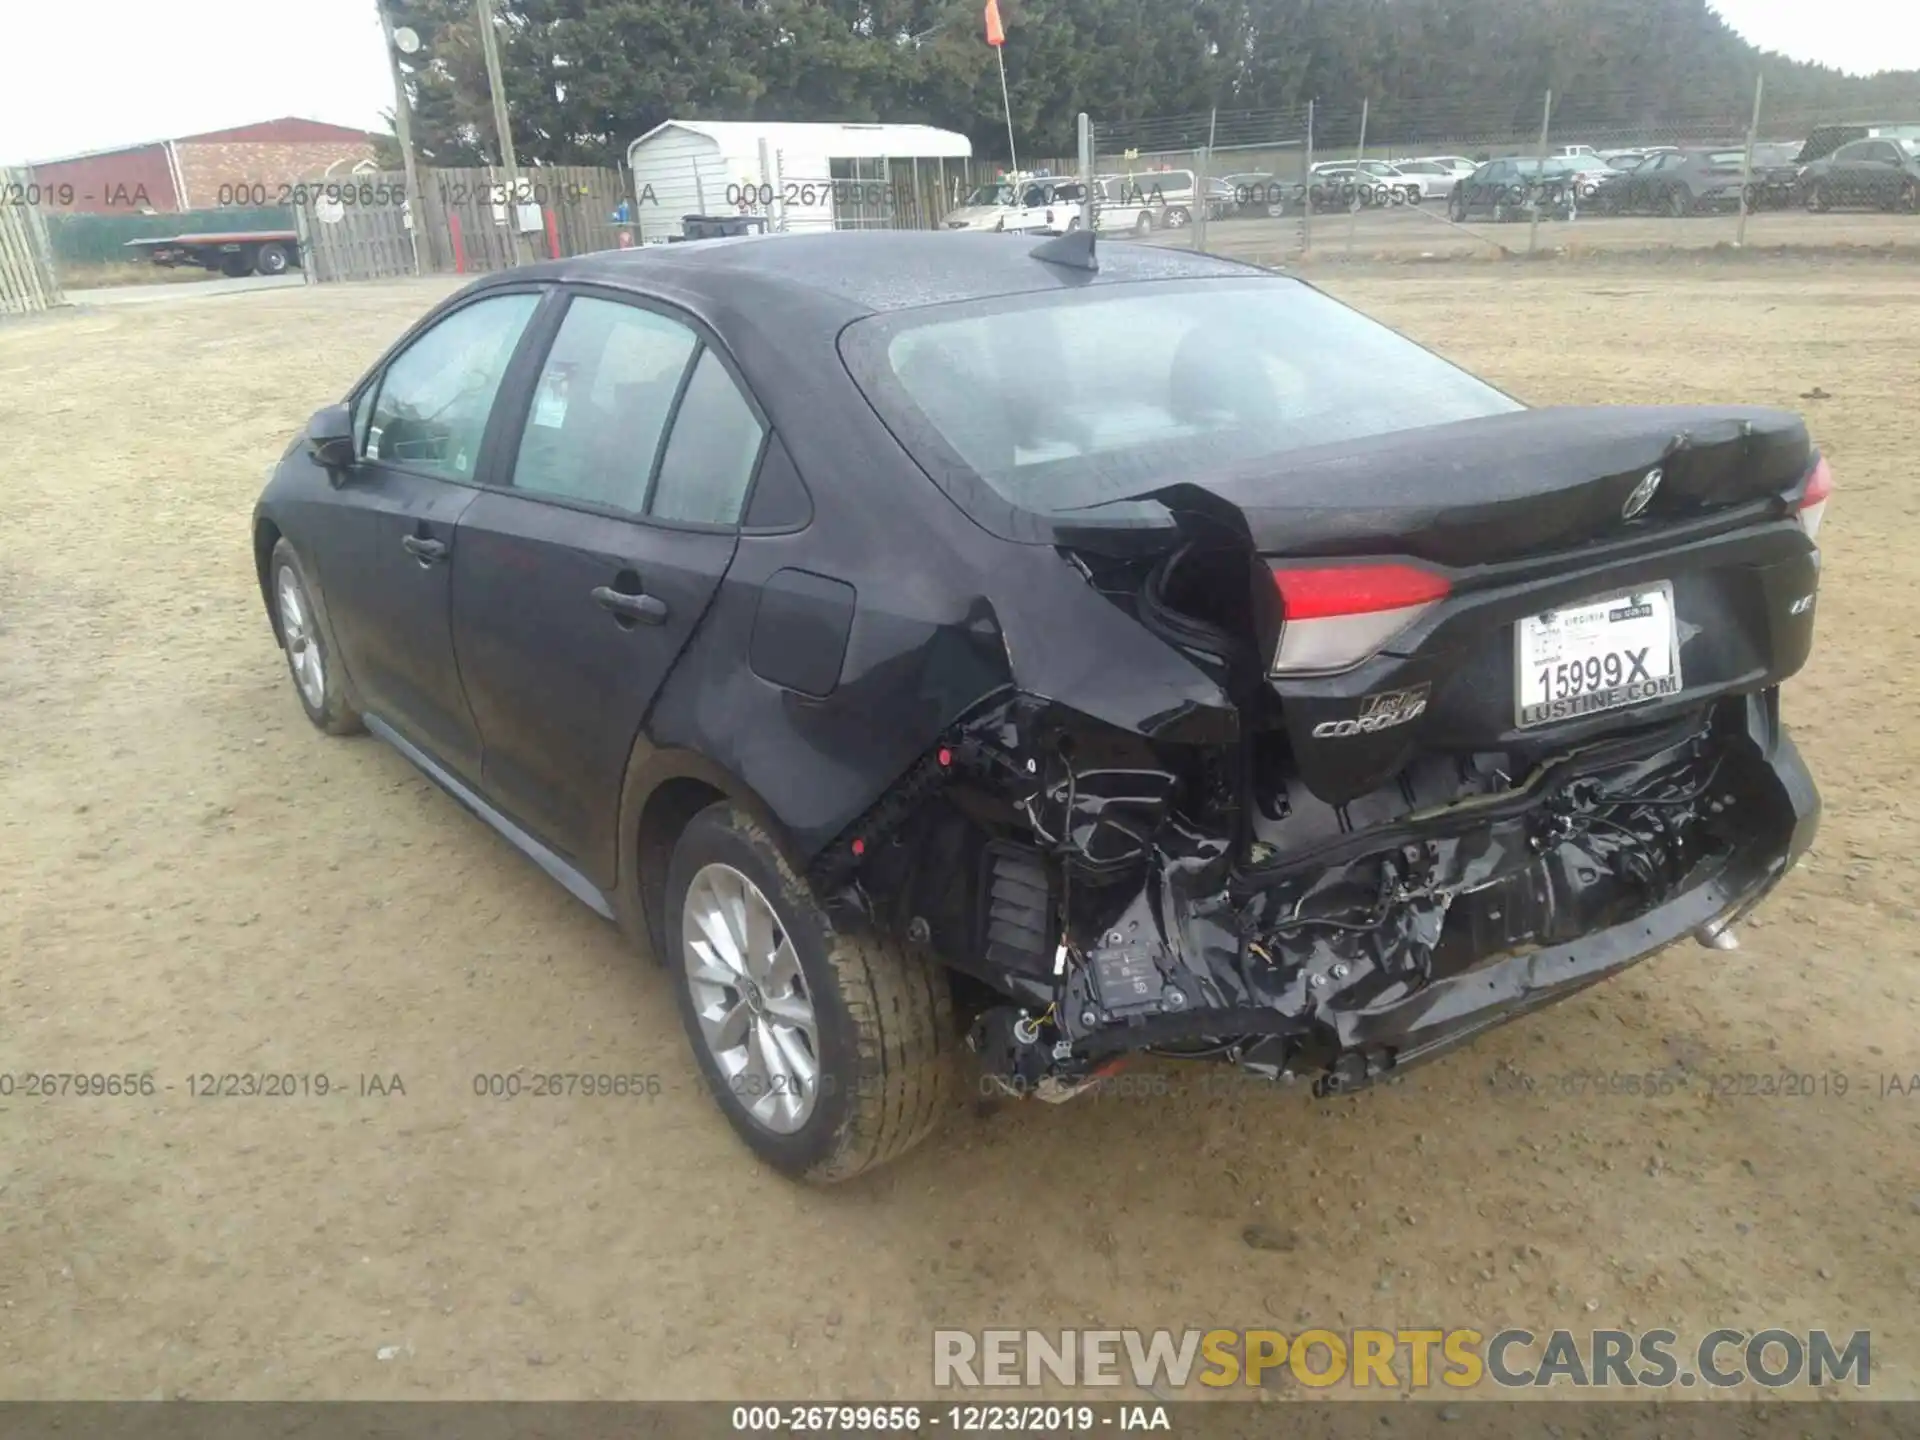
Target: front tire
pixel 305 635
pixel 829 1052
pixel 1679 202
pixel 1143 223
pixel 271 260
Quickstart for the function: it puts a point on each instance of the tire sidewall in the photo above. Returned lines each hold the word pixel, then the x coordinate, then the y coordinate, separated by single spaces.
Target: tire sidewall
pixel 721 834
pixel 271 260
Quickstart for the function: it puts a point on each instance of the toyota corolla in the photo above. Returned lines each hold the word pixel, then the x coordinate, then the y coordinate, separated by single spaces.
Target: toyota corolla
pixel 922 642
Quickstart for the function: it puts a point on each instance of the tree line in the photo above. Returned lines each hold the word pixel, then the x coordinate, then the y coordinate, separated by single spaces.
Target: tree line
pixel 583 78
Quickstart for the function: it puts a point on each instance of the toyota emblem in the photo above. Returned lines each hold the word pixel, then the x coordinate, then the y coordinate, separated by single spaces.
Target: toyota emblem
pixel 1642 495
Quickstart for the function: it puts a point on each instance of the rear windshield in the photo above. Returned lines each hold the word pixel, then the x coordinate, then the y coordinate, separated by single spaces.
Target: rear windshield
pixel 1079 398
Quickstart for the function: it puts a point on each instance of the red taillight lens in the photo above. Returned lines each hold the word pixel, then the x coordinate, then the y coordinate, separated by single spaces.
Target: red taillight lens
pixel 1812 505
pixel 1333 616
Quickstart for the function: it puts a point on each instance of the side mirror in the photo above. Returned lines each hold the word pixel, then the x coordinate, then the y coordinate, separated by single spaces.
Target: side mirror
pixel 330 437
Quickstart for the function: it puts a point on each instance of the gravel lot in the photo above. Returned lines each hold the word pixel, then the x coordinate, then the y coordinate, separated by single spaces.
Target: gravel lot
pixel 194 882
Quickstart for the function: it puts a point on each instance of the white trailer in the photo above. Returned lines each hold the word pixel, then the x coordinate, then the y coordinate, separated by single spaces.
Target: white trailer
pixel 802 176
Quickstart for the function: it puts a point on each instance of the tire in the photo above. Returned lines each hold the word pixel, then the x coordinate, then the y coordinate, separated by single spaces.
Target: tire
pixel 1073 224
pixel 1143 223
pixel 271 260
pixel 1457 209
pixel 1817 197
pixel 1679 202
pixel 234 266
pixel 882 1040
pixel 1178 217
pixel 300 620
pixel 1910 197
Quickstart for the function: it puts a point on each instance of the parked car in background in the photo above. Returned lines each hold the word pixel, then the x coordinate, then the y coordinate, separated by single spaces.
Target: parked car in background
pixel 1339 184
pixel 1019 204
pixel 1684 182
pixel 1458 166
pixel 1510 189
pixel 1260 192
pixel 986 208
pixel 1826 139
pixel 1589 171
pixel 1164 197
pixel 1775 179
pixel 1879 174
pixel 1432 180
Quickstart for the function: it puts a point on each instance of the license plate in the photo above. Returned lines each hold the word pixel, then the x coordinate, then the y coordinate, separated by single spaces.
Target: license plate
pixel 1594 656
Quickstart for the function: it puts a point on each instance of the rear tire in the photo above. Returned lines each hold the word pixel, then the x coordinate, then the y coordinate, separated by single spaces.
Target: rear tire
pixel 234 266
pixel 300 618
pixel 271 260
pixel 1679 202
pixel 1817 197
pixel 881 1039
pixel 1143 223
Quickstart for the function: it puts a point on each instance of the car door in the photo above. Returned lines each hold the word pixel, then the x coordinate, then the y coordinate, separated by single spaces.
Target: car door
pixel 1849 174
pixel 1882 172
pixel 585 566
pixel 383 546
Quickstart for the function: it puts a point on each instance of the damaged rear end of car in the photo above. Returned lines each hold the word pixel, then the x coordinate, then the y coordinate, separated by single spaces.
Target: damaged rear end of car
pixel 1476 704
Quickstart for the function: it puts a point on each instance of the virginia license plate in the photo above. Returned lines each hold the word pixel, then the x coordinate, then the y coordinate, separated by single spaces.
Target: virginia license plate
pixel 1598 655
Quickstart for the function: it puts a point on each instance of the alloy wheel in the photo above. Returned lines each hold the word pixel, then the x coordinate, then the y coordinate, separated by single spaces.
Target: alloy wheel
pixel 303 645
pixel 750 996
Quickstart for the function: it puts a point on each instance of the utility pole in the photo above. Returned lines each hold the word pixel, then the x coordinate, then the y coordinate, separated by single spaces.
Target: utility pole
pixel 403 131
pixel 483 12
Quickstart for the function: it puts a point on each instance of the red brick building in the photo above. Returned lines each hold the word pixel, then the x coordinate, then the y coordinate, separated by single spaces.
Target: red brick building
pixel 246 165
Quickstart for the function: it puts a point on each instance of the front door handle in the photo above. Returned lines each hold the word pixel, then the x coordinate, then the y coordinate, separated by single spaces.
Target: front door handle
pixel 423 549
pixel 647 609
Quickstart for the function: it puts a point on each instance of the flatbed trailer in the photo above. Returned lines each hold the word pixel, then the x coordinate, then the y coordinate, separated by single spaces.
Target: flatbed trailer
pixel 238 252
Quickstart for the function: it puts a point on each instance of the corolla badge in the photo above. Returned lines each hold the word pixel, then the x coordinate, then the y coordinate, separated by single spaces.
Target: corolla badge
pixel 1642 494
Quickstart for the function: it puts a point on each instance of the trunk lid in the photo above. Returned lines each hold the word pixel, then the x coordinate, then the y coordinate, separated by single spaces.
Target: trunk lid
pixel 1569 594
pixel 1503 487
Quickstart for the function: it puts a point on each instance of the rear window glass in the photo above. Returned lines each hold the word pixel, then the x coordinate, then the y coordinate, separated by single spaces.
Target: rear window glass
pixel 1080 398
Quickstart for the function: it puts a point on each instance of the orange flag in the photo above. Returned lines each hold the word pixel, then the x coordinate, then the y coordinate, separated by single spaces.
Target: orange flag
pixel 996 33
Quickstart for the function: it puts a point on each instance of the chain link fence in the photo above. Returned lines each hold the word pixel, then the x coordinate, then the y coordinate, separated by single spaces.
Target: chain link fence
pixel 1464 176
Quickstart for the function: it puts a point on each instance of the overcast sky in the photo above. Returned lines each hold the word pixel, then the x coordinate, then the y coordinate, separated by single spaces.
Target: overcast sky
pixel 114 72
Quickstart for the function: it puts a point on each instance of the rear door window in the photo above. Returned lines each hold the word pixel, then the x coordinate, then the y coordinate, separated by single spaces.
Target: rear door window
pixel 601 404
pixel 710 456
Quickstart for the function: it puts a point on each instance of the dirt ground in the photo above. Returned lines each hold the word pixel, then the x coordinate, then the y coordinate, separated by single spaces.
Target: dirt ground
pixel 194 882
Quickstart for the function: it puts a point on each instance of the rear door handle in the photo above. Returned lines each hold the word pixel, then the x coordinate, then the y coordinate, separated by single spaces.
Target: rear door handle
pixel 645 608
pixel 423 549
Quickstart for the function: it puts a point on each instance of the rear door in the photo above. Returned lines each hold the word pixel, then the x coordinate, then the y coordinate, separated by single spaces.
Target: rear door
pixel 583 569
pixel 385 543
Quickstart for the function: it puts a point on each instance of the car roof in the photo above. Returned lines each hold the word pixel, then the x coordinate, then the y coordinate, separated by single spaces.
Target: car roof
pixel 846 274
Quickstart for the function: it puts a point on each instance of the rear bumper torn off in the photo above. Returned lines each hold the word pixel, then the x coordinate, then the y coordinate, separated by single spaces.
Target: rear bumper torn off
pixel 1387 957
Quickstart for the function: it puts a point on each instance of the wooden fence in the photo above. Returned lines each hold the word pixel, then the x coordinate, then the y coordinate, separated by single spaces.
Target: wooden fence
pixel 472 221
pixel 27 278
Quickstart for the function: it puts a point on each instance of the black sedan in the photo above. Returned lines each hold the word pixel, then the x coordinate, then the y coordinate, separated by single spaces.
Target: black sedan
pixel 908 637
pixel 1879 174
pixel 1514 188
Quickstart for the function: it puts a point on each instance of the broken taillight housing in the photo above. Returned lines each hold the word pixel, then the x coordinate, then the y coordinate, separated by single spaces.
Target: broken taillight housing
pixel 1336 615
pixel 1811 507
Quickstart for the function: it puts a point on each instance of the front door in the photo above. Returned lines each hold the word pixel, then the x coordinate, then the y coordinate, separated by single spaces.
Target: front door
pixel 384 550
pixel 578 580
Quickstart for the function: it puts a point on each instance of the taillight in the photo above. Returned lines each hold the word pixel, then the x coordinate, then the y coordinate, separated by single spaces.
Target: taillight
pixel 1812 505
pixel 1335 615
